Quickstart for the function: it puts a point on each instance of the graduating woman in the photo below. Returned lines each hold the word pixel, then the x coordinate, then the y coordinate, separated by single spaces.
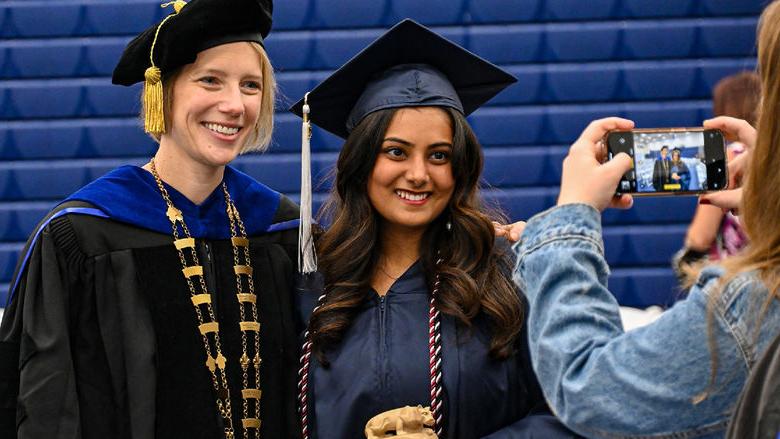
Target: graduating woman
pixel 136 309
pixel 679 171
pixel 418 306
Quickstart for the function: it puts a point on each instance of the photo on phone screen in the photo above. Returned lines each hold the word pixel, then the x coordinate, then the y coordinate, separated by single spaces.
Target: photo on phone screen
pixel 671 161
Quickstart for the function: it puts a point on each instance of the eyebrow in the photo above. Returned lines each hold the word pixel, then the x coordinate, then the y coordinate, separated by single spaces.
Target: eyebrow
pixel 407 143
pixel 218 72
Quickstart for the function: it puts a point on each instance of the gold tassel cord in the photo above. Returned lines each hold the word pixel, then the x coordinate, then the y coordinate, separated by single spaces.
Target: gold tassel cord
pixel 154 114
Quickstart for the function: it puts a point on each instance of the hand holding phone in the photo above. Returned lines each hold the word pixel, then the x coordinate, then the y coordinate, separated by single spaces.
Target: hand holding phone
pixel 586 179
pixel 670 161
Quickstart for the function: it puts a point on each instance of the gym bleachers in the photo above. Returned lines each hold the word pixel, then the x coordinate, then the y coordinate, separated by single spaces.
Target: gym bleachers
pixel 62 123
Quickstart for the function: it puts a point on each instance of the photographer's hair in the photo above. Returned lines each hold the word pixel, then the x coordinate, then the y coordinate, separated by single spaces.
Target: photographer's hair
pixel 760 209
pixel 737 96
pixel 263 128
pixel 475 274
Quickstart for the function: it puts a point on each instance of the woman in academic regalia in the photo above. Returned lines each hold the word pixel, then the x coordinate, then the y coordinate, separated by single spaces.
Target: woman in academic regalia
pixel 155 301
pixel 418 306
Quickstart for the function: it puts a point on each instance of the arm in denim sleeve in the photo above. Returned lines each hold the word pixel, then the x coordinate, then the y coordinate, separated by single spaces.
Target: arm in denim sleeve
pixel 598 379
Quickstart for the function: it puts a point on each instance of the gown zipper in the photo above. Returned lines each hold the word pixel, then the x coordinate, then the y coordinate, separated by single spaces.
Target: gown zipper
pixel 382 343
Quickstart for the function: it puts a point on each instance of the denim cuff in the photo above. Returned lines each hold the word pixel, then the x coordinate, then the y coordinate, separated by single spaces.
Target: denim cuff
pixel 580 223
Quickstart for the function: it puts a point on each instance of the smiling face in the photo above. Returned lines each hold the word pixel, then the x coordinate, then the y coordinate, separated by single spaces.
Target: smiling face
pixel 216 103
pixel 412 179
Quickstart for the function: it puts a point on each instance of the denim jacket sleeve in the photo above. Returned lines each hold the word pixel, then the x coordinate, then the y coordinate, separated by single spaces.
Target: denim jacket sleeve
pixel 604 382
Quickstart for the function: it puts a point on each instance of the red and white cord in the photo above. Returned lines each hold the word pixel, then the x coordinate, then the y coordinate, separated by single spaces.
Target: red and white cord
pixel 303 377
pixel 434 362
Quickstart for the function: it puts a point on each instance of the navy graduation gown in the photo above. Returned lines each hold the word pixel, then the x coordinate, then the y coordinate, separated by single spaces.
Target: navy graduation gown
pixel 100 338
pixel 382 364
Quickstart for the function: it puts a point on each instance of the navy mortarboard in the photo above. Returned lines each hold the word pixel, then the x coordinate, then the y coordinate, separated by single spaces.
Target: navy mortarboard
pixel 178 38
pixel 409 65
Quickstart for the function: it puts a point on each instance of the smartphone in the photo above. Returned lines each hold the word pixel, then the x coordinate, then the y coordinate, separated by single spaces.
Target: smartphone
pixel 671 161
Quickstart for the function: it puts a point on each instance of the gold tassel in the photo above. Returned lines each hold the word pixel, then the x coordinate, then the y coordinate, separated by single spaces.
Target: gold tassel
pixel 154 117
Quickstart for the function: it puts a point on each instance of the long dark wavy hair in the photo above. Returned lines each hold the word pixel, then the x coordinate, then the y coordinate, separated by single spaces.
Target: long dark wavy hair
pixel 474 273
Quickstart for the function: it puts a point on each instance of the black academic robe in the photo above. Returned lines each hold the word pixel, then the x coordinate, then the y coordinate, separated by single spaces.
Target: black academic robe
pixel 100 338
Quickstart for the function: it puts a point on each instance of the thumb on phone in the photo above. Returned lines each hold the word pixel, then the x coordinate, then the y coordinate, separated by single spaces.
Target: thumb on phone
pixel 615 168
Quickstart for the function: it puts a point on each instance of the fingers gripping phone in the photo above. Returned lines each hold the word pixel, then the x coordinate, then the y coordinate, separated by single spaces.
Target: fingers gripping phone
pixel 670 161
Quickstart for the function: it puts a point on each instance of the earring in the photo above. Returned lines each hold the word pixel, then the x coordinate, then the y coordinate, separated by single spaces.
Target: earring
pixel 448 225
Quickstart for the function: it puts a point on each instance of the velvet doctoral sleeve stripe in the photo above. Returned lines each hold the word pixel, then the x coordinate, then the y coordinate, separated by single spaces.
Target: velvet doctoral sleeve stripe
pixel 75 208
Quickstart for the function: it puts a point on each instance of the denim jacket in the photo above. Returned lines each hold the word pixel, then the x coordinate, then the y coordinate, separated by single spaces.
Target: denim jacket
pixel 646 383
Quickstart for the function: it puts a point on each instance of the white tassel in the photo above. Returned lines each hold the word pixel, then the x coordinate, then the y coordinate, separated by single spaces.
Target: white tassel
pixel 307 257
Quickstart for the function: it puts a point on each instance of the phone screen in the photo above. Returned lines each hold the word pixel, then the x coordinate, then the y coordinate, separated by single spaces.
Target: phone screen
pixel 671 161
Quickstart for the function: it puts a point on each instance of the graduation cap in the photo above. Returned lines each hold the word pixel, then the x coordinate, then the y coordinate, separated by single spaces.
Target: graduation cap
pixel 176 41
pixel 408 66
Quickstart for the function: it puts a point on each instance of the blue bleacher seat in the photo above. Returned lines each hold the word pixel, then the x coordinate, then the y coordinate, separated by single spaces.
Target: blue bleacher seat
pixel 521 204
pixel 715 70
pixel 508 125
pixel 120 17
pixel 287 136
pixel 504 11
pixel 654 210
pixel 635 246
pixel 84 138
pixel 507 43
pixel 661 80
pixel 581 82
pixel 643 287
pixel 64 58
pixel 731 7
pixel 293 15
pixel 64 98
pixel 38 19
pixel 659 39
pixel 351 13
pixel 669 114
pixel 291 50
pixel 40 180
pixel 18 219
pixel 429 12
pixel 528 166
pixel 576 10
pixel 657 8
pixel 580 41
pixel 282 171
pixel 727 37
pixel 9 253
pixel 527 90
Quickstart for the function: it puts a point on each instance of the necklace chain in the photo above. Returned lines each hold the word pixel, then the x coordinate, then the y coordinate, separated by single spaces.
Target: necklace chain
pixel 207 321
pixel 434 363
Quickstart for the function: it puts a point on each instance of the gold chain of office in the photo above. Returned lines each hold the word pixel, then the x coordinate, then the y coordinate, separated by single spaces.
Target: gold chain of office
pixel 207 321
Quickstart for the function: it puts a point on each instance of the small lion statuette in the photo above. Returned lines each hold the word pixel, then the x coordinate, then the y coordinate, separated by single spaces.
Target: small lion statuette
pixel 405 422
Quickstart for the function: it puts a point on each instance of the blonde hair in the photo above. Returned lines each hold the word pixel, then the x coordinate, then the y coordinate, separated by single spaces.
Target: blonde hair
pixel 260 137
pixel 760 208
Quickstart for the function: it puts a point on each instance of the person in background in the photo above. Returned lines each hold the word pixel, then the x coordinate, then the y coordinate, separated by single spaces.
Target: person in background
pixel 418 305
pixel 661 170
pixel 156 302
pixel 679 173
pixel 714 233
pixel 681 375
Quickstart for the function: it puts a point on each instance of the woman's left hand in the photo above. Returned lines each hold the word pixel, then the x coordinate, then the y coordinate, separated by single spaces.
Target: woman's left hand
pixel 585 178
pixel 512 232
